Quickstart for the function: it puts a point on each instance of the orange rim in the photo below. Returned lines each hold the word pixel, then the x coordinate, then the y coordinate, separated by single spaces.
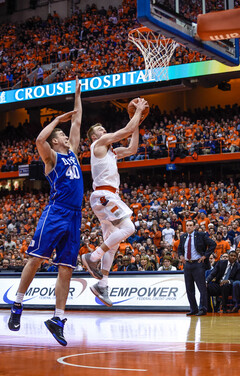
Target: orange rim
pixel 145 29
pixel 141 29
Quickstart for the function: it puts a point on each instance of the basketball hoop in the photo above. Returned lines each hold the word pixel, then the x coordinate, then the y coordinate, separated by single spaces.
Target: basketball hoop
pixel 156 50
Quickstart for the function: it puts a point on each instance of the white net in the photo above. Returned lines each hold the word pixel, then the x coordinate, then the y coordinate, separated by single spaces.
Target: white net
pixel 156 50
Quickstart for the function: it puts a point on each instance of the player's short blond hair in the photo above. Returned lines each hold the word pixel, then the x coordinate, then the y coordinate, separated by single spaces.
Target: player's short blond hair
pixel 91 130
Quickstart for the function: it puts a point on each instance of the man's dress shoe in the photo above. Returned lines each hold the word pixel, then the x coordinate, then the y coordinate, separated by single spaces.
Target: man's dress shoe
pixel 201 313
pixel 191 313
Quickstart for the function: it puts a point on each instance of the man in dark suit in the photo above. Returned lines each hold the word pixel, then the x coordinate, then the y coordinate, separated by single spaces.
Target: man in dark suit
pixel 236 241
pixel 236 292
pixel 221 278
pixel 127 265
pixel 194 250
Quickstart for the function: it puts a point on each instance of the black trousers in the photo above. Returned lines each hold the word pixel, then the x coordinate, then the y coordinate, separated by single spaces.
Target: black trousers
pixel 195 272
pixel 214 289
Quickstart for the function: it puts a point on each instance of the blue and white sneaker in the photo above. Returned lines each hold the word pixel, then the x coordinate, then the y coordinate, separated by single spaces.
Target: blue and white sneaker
pixel 55 326
pixel 14 320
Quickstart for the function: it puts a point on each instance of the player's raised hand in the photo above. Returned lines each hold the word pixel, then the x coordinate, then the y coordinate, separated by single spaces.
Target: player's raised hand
pixel 78 87
pixel 66 117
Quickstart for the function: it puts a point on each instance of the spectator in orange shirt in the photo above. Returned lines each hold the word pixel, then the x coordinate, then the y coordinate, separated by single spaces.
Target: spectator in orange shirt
pixel 171 140
pixel 25 245
pixel 235 143
pixel 222 246
pixel 203 219
pixel 87 247
pixel 135 206
pixel 123 245
pixel 171 144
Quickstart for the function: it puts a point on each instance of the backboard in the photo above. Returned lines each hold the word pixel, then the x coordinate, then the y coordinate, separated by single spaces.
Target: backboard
pixel 177 19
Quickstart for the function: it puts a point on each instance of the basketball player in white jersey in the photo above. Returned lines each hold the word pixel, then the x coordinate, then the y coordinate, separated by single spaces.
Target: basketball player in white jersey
pixel 113 214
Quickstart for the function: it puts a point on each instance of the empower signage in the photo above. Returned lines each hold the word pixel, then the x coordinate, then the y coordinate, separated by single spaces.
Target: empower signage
pixel 117 80
pixel 154 291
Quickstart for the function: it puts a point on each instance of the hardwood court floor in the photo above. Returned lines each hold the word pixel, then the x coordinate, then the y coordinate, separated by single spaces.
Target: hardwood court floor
pixel 122 343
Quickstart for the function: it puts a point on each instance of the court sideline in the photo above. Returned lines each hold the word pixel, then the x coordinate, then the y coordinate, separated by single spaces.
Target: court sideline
pixel 122 343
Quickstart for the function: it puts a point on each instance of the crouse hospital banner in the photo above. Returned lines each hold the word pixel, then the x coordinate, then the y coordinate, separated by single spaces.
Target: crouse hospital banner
pixel 139 291
pixel 118 80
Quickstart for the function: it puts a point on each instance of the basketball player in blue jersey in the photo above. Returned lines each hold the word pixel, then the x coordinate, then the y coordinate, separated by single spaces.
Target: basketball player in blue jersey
pixel 113 214
pixel 60 222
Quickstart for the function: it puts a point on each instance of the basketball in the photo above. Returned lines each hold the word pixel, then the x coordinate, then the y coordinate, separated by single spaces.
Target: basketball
pixel 131 109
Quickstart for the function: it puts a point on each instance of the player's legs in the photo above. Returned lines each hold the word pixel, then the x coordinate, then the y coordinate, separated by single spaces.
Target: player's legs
pixel 116 214
pixel 28 273
pixel 121 232
pixel 62 286
pixel 108 257
pixel 56 324
pixel 116 234
pixel 27 276
pixel 66 259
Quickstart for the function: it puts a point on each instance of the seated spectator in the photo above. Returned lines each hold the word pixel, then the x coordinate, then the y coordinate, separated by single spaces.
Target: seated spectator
pixel 145 264
pixel 221 278
pixel 9 78
pixel 222 246
pixel 9 243
pixel 235 144
pixel 209 146
pixel 19 264
pixel 236 292
pixel 117 262
pixel 167 264
pixel 5 264
pixel 127 266
pixel 212 261
pixel 137 261
pixel 224 256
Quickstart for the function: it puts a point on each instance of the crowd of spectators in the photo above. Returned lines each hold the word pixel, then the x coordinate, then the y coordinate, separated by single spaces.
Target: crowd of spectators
pixel 207 131
pixel 159 214
pixel 94 41
pixel 202 132
pixel 190 9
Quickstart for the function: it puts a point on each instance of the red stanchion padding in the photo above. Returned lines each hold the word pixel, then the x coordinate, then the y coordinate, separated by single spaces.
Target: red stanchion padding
pixel 214 26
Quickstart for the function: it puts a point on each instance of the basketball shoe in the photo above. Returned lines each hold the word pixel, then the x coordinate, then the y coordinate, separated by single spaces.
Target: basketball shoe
pixel 91 266
pixel 102 294
pixel 14 320
pixel 55 326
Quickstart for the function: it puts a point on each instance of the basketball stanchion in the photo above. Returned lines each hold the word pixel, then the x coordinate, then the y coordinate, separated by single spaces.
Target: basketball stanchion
pixel 157 51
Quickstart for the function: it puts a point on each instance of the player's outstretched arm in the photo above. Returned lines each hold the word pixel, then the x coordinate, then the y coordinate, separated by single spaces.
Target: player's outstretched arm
pixel 128 130
pixel 74 136
pixel 46 152
pixel 131 149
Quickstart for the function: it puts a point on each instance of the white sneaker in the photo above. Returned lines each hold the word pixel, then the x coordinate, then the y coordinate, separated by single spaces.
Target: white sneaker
pixel 91 266
pixel 102 294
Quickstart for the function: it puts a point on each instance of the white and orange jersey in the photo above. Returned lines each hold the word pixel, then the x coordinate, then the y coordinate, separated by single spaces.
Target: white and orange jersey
pixel 104 170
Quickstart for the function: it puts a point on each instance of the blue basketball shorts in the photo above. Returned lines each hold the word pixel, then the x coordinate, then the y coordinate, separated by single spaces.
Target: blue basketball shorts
pixel 58 228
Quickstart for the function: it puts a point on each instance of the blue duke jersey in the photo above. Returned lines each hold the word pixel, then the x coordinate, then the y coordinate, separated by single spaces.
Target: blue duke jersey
pixel 60 223
pixel 66 181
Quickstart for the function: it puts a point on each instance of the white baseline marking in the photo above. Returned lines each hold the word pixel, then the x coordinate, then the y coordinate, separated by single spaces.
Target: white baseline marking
pixel 62 360
pixel 193 350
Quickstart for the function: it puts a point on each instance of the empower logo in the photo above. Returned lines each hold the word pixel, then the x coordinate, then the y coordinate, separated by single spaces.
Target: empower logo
pixel 141 293
pixel 36 291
